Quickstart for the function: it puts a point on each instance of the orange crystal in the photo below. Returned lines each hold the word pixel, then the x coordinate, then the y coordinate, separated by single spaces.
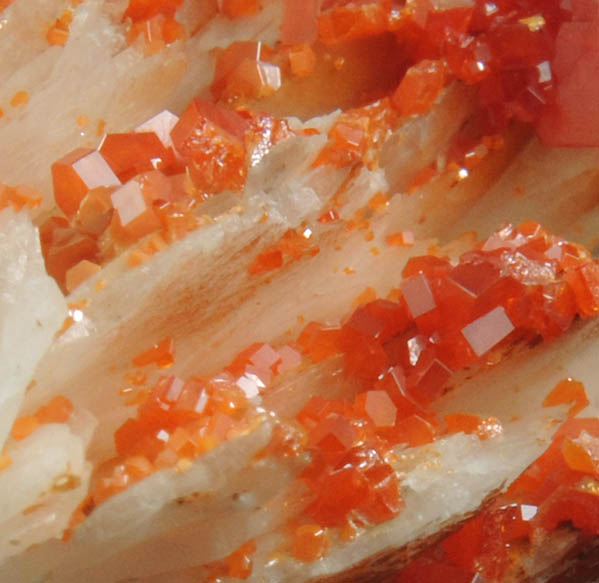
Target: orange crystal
pixel 135 216
pixel 139 10
pixel 582 453
pixel 24 426
pixel 74 175
pixel 95 211
pixel 565 392
pixel 403 239
pixel 20 98
pixel 420 88
pixel 266 261
pixel 161 124
pixel 310 542
pixel 302 60
pixel 161 354
pixel 63 247
pixel 239 563
pixel 79 273
pixel 299 21
pixel 211 139
pixel 346 22
pixel 378 406
pixel 133 153
pixel 319 342
pixel 239 8
pixel 58 410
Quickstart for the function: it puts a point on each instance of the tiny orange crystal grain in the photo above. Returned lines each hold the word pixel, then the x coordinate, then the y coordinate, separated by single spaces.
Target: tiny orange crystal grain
pixel 161 354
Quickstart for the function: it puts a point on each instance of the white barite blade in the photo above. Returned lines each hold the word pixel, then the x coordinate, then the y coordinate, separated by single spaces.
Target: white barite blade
pixel 32 309
pixel 97 76
pixel 46 481
pixel 195 515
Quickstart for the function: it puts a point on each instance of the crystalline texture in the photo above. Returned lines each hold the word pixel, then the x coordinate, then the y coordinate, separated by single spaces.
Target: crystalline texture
pixel 418 295
pixel 488 330
pixel 76 174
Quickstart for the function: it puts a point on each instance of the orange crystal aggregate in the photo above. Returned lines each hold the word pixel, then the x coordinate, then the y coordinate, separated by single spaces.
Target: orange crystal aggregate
pixel 520 284
pixel 507 49
pixel 180 420
pixel 58 410
pixel 512 286
pixel 358 135
pixel 400 359
pixel 560 488
pixel 146 183
pixel 210 147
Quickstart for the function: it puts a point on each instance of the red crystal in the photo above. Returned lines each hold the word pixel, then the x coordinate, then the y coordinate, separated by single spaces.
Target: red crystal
pixel 211 139
pixel 133 153
pixel 420 88
pixel 74 175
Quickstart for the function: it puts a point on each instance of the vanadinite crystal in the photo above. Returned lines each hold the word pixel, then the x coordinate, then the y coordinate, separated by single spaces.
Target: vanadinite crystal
pixel 558 490
pixel 140 190
pixel 141 187
pixel 403 353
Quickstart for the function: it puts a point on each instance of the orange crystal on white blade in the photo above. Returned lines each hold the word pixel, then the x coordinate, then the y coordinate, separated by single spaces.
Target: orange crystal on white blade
pixel 488 330
pixel 79 273
pixel 161 124
pixel 77 173
pixel 135 213
pixel 95 211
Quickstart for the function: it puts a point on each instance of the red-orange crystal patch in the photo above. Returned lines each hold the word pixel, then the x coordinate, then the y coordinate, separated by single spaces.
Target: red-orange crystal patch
pixel 566 392
pixel 76 174
pixel 210 139
pixel 19 197
pixel 161 354
pixel 310 542
pixel 58 410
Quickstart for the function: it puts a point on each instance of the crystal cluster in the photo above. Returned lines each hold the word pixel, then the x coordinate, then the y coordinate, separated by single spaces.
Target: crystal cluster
pixel 148 182
pixel 560 488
